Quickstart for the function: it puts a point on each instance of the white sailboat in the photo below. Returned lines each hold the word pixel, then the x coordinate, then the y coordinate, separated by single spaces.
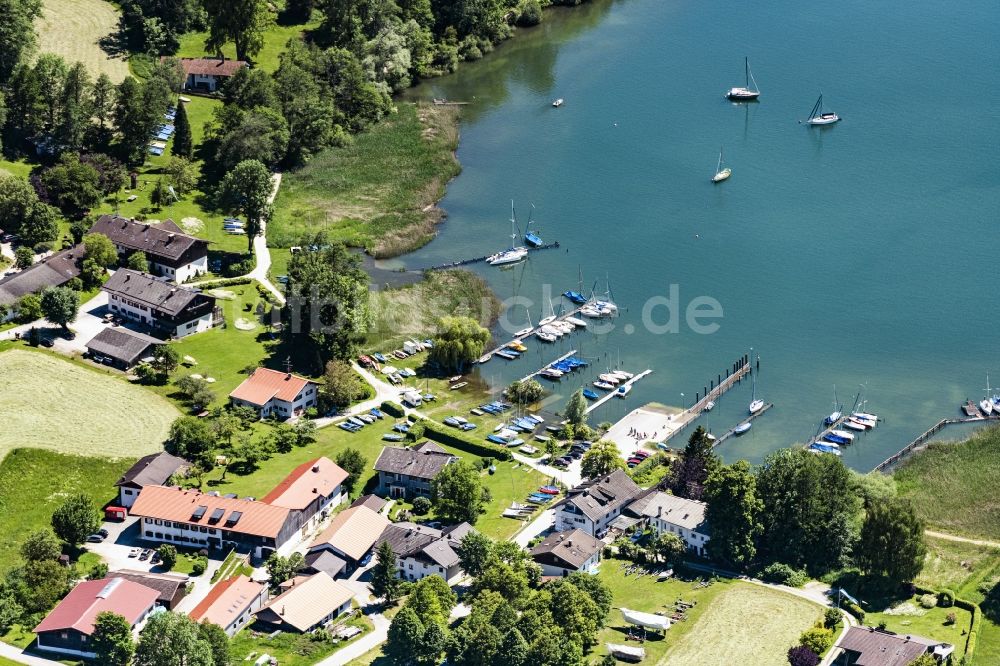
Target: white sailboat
pixel 745 93
pixel 514 253
pixel 721 173
pixel 820 117
pixel 525 331
pixel 756 404
pixel 836 413
pixel 986 405
pixel 551 317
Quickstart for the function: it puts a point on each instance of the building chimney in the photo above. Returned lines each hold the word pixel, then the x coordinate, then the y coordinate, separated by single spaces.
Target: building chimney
pixel 316 468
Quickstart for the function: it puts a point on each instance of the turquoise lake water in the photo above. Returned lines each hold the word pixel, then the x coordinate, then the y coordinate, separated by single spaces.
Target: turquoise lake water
pixel 863 253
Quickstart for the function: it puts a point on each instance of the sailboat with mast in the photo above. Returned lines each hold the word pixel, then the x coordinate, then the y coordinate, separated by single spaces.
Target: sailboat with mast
pixel 515 253
pixel 820 117
pixel 530 237
pixel 577 297
pixel 986 405
pixel 746 93
pixel 721 173
pixel 837 410
pixel 756 404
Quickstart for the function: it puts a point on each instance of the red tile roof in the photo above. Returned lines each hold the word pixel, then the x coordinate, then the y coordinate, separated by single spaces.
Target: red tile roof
pixel 227 600
pixel 320 476
pixel 211 66
pixel 81 606
pixel 257 518
pixel 265 384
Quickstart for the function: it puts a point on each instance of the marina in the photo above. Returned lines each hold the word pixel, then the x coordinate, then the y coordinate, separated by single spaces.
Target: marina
pixel 627 383
pixel 526 333
pixel 547 365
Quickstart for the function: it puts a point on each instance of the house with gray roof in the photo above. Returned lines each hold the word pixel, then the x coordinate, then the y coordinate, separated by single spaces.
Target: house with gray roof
pixel 563 553
pixel 52 271
pixel 408 472
pixel 168 309
pixel 171 253
pixel 867 646
pixel 152 470
pixel 677 515
pixel 423 551
pixel 594 504
pixel 120 348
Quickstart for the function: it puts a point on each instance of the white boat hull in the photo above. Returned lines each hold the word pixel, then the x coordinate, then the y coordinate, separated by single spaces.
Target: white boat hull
pixel 756 406
pixel 511 256
pixel 742 94
pixel 722 175
pixel 824 119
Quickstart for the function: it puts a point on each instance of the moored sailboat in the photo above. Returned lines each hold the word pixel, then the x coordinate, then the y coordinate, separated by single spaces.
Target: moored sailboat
pixel 514 253
pixel 530 237
pixel 721 173
pixel 745 93
pixel 820 117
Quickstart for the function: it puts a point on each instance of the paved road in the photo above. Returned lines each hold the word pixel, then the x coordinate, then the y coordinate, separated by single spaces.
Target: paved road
pixel 15 654
pixel 952 537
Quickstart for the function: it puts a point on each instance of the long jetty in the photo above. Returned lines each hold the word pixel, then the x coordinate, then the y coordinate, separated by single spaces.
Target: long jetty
pixel 476 260
pixel 921 439
pixel 713 391
pixel 610 394
pixel 561 358
pixel 732 431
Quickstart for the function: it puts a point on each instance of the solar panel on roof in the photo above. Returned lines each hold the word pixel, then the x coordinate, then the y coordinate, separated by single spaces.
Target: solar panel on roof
pixel 230 495
pixel 199 512
pixel 216 515
pixel 234 518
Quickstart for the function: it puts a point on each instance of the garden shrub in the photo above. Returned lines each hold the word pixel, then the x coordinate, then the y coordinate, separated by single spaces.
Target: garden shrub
pixel 817 639
pixel 946 598
pixel 783 574
pixel 928 601
pixel 421 506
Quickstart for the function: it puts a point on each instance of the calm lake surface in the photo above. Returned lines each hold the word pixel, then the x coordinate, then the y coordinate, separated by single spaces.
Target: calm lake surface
pixel 864 253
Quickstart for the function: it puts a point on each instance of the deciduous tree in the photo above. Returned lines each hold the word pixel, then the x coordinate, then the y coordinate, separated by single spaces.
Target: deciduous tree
pixel 341 384
pixel 59 305
pixel 137 261
pixel 576 409
pixel 169 639
pixel 459 341
pixel 457 493
pixel 75 519
pixel 23 257
pixel 242 22
pixel 891 544
pixel 475 552
pixel 246 190
pixel 602 459
pixel 100 248
pixel 354 463
pixel 112 639
pixel 734 513
pixel 71 185
pixel 40 546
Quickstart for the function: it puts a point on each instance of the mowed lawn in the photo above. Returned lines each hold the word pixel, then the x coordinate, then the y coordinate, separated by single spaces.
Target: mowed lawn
pixel 51 403
pixel 73 29
pixel 747 624
pixel 34 482
pixel 953 486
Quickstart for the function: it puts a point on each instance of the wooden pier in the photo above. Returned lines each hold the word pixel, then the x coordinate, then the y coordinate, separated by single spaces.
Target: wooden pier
pixel 628 382
pixel 732 431
pixel 476 260
pixel 561 358
pixel 739 370
pixel 913 446
pixel 522 338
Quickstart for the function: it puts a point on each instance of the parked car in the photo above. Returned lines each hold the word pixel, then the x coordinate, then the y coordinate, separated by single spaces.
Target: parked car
pixel 155 559
pixel 95 538
pixel 144 555
pixel 46 342
pixel 134 552
pixel 103 532
pixel 576 455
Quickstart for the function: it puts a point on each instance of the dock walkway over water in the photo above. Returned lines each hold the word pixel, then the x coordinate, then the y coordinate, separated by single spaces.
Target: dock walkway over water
pixel 889 463
pixel 521 338
pixel 732 431
pixel 610 394
pixel 561 358
pixel 476 260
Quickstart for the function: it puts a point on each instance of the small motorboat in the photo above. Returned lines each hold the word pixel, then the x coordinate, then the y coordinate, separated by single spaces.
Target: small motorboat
pixel 590 395
pixel 623 391
pixel 849 436
pixel 455 387
pixel 557 103
pixel 549 490
pixel 507 354
pixel 484 358
pixel 852 424
pixel 710 405
pixel 756 405
pixel 609 379
pixel 551 373
pixel 604 386
pixel 742 428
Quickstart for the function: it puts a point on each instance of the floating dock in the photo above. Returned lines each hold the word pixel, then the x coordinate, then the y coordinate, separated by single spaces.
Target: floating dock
pixel 476 260
pixel 522 338
pixel 739 370
pixel 610 394
pixel 732 431
pixel 561 358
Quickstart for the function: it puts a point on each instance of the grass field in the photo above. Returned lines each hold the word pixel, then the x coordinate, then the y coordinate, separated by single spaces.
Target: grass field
pixel 73 28
pixel 378 192
pixel 291 649
pixel 953 485
pixel 192 45
pixel 745 625
pixel 51 403
pixel 33 482
pixel 909 618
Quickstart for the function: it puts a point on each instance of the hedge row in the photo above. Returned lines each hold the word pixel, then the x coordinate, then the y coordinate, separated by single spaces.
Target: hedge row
pixel 224 282
pixel 855 610
pixel 444 435
pixel 392 409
